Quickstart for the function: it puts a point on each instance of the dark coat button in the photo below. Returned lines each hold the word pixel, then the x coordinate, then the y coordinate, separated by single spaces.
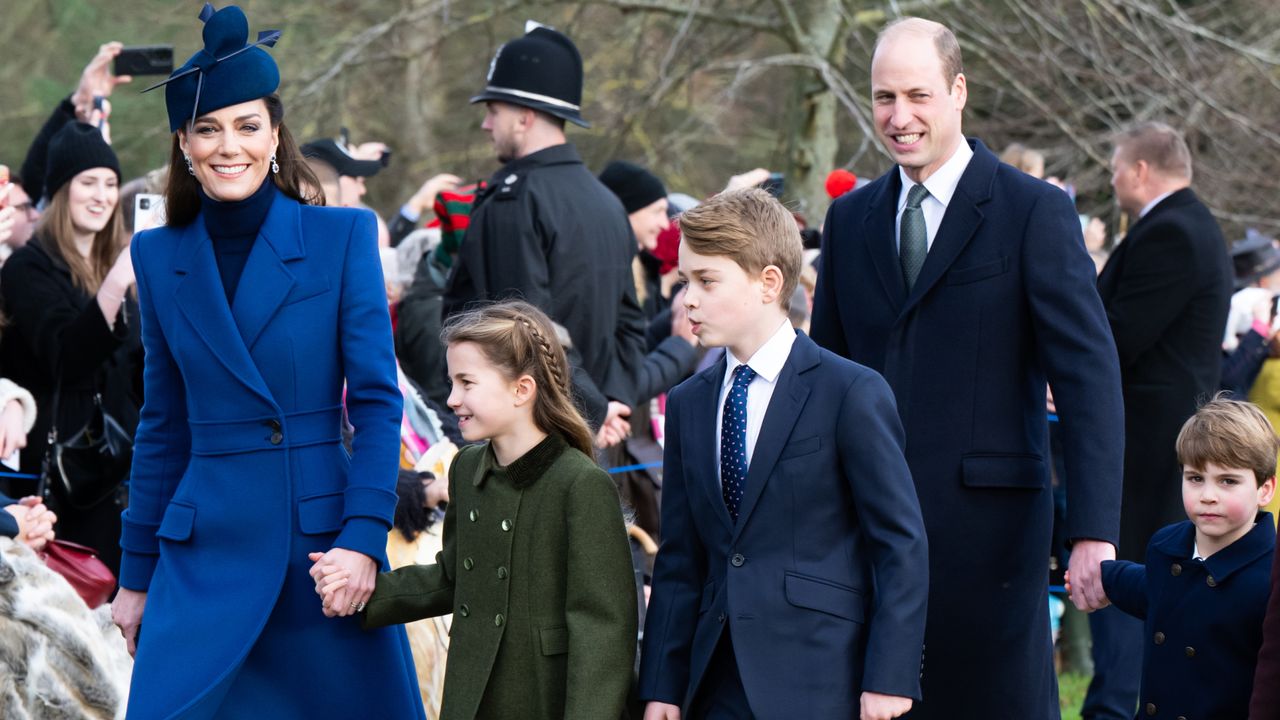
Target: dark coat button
pixel 463 610
pixel 1151 708
pixel 1191 652
pixel 502 573
pixel 1175 569
pixel 1159 638
pixel 1211 582
pixel 468 563
pixel 737 560
pixel 721 618
pixel 277 438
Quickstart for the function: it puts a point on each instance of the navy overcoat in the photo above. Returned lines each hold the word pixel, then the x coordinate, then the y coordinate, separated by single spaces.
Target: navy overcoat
pixel 1006 299
pixel 239 472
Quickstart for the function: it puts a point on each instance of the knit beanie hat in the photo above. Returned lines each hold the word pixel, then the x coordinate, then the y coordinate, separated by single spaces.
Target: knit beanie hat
pixel 75 148
pixel 634 186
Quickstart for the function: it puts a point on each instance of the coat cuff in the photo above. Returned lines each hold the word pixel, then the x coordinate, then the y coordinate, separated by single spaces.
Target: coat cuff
pixel 364 535
pixel 136 570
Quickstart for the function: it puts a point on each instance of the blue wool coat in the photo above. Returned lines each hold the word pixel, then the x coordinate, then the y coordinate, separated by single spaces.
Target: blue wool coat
pixel 1203 620
pixel 239 472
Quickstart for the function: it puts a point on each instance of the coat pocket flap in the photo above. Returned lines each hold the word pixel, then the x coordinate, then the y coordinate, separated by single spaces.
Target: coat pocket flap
pixel 320 514
pixel 555 640
pixel 1004 471
pixel 823 596
pixel 178 521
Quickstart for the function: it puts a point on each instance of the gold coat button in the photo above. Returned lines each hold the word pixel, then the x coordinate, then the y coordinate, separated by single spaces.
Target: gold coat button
pixel 502 573
pixel 498 620
pixel 1151 708
pixel 1159 638
pixel 1175 569
pixel 1191 652
pixel 1211 582
pixel 474 515
pixel 468 563
pixel 463 610
pixel 506 526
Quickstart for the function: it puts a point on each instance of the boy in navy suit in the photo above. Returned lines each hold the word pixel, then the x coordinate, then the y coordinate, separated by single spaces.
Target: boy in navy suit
pixel 1203 590
pixel 793 575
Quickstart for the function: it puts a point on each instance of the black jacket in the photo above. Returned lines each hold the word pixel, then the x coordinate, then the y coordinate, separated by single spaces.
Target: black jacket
pixel 546 230
pixel 418 327
pixel 50 323
pixel 1167 291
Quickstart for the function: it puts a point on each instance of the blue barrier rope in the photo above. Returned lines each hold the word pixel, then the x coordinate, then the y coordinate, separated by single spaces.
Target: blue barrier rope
pixel 19 476
pixel 629 468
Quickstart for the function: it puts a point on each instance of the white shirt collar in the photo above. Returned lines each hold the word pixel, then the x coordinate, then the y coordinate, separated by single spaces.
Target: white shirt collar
pixel 769 359
pixel 1151 205
pixel 943 182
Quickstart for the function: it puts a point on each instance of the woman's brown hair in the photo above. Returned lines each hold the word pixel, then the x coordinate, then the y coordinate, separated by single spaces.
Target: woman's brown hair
pixel 295 179
pixel 57 235
pixel 519 339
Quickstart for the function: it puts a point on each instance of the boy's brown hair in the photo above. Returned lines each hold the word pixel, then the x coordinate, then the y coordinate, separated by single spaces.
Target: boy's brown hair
pixel 1230 434
pixel 751 228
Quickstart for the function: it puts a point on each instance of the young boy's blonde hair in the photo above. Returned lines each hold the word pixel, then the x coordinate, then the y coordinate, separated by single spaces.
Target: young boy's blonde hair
pixel 751 228
pixel 1230 434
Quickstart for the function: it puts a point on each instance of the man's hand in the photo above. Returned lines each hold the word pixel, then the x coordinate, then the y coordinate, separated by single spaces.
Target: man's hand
pixel 749 179
pixel 1085 568
pixel 615 428
pixel 97 80
pixel 126 613
pixel 426 195
pixel 661 711
pixel 883 707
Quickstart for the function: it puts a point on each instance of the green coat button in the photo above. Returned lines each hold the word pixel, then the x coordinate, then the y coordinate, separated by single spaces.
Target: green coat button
pixel 506 526
pixel 463 610
pixel 468 563
pixel 502 573
pixel 498 620
pixel 474 515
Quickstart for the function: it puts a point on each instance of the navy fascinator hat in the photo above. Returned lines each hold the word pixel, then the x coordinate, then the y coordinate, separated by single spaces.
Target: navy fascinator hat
pixel 229 69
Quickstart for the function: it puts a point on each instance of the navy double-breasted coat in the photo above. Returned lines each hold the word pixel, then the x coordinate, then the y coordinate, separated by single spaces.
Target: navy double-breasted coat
pixel 239 472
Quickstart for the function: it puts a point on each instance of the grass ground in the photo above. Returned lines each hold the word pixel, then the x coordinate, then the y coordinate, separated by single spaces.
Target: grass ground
pixel 1071 688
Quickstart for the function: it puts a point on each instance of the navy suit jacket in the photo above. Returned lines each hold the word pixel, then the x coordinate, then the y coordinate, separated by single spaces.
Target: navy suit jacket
pixel 822 581
pixel 1006 299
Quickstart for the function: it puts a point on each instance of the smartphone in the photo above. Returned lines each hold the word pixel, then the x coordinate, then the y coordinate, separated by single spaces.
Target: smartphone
pixel 145 60
pixel 148 211
pixel 776 184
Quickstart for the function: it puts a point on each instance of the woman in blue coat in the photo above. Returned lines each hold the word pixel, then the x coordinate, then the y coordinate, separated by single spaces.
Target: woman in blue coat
pixel 257 308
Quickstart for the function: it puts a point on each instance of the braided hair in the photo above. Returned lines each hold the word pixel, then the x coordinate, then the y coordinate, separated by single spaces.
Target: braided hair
pixel 520 339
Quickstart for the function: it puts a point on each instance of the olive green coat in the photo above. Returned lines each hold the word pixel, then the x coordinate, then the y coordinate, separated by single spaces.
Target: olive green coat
pixel 536 569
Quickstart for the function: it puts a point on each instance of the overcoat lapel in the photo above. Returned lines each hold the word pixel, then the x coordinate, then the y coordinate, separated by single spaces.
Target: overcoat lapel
pixel 201 298
pixel 705 405
pixel 881 213
pixel 266 281
pixel 779 419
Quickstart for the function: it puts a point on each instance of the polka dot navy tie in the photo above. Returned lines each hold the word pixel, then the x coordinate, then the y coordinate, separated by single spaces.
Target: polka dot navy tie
pixel 733 440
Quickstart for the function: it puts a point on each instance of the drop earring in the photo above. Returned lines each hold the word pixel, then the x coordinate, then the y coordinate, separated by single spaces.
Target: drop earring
pixel 275 166
pixel 190 169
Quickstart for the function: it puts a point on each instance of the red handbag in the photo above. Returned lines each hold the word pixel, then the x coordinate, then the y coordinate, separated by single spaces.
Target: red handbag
pixel 90 577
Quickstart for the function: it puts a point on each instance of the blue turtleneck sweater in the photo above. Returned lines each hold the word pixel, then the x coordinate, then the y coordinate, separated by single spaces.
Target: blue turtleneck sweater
pixel 234 227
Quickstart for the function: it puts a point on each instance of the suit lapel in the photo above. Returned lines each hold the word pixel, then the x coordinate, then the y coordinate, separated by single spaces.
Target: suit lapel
pixel 266 281
pixel 705 406
pixel 201 298
pixel 784 410
pixel 881 213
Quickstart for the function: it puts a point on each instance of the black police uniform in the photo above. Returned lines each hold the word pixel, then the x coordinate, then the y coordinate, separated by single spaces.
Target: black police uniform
pixel 547 231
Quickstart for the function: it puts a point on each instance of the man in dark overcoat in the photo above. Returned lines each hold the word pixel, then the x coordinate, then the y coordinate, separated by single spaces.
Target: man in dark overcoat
pixel 546 230
pixel 966 283
pixel 1167 290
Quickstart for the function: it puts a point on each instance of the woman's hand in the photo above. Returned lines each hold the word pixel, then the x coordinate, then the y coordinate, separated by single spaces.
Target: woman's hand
pixel 355 571
pixel 13 431
pixel 116 285
pixel 97 80
pixel 126 613
pixel 35 522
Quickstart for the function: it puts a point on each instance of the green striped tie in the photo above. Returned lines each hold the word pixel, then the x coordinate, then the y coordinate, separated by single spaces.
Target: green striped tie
pixel 913 236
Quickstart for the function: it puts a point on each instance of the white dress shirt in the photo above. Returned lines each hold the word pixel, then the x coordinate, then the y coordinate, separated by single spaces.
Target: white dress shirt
pixel 767 362
pixel 941 186
pixel 1151 205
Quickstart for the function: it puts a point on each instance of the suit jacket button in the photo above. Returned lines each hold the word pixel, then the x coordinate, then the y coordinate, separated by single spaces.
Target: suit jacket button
pixel 498 620
pixel 1211 582
pixel 1159 638
pixel 737 560
pixel 1151 708
pixel 1175 569
pixel 468 563
pixel 721 618
pixel 1191 652
pixel 463 610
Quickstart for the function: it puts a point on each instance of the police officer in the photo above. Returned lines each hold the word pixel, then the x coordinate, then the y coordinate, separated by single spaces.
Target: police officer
pixel 545 229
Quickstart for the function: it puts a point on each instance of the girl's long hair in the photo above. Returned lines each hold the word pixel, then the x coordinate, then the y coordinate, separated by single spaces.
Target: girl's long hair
pixel 519 339
pixel 58 237
pixel 295 179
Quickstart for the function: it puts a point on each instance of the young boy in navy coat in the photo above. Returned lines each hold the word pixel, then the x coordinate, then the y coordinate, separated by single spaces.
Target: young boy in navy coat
pixel 792 580
pixel 1204 588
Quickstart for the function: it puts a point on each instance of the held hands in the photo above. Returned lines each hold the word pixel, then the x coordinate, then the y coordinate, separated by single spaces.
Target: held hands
pixel 35 522
pixel 661 711
pixel 1085 566
pixel 344 580
pixel 126 613
pixel 615 428
pixel 883 707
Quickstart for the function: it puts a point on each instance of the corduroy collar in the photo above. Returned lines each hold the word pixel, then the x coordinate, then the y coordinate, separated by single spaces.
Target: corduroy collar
pixel 527 468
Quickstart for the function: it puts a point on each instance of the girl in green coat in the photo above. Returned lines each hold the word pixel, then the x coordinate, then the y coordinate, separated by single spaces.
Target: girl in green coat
pixel 536 566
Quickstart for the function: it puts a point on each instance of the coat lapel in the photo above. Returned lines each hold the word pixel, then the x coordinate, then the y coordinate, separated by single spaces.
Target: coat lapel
pixel 705 406
pixel 881 213
pixel 784 410
pixel 266 281
pixel 961 221
pixel 201 298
